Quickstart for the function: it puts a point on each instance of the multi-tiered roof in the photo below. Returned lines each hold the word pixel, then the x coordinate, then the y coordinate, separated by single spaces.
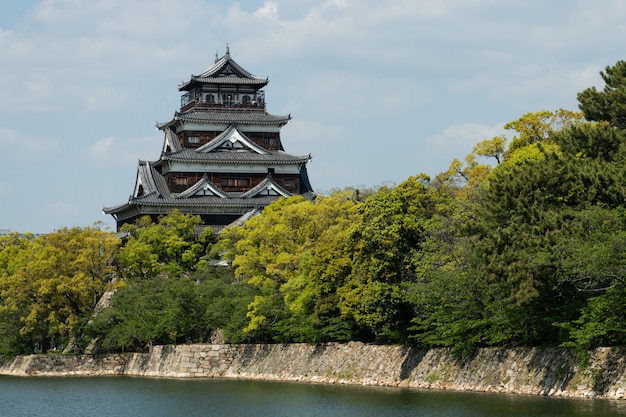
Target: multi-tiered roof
pixel 222 156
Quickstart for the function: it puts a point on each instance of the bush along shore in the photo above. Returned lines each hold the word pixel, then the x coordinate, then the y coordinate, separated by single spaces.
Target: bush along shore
pixel 531 371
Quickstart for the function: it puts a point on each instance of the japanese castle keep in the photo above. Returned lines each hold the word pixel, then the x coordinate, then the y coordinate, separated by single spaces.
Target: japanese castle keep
pixel 222 156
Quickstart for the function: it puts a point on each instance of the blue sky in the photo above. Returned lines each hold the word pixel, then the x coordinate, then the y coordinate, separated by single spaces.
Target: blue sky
pixel 378 90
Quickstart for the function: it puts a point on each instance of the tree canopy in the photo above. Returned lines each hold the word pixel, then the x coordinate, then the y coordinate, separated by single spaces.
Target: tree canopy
pixel 518 245
pixel 49 285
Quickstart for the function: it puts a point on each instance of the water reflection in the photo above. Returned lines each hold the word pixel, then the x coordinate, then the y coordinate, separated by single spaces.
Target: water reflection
pixel 163 397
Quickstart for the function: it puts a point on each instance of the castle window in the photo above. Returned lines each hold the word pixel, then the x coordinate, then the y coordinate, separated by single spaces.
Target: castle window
pixel 180 180
pixel 193 140
pixel 235 182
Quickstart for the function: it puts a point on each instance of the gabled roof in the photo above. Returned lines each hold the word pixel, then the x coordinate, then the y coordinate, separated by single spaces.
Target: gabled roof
pixel 224 71
pixel 267 187
pixel 148 183
pixel 171 142
pixel 151 191
pixel 232 147
pixel 203 204
pixel 231 139
pixel 204 187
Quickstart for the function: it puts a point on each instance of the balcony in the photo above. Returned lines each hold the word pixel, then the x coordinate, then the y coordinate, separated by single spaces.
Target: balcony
pixel 219 105
pixel 217 101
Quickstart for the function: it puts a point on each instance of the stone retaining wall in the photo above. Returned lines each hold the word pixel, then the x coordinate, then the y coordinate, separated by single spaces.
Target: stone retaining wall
pixel 534 371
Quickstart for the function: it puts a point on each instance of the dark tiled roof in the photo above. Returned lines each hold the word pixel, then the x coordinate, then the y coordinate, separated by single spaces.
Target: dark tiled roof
pixel 156 194
pixel 232 133
pixel 237 157
pixel 229 117
pixel 203 183
pixel 247 153
pixel 230 79
pixel 225 71
pixel 265 185
pixel 171 141
pixel 115 209
pixel 202 203
pixel 221 63
pixel 145 178
pixel 151 180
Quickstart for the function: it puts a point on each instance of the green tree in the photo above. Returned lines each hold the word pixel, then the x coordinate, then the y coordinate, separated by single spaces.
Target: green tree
pixel 171 245
pixel 387 247
pixel 602 321
pixel 532 218
pixel 608 105
pixel 273 252
pixel 225 300
pixel 593 141
pixel 471 172
pixel 312 296
pixel 172 308
pixel 511 279
pixel 53 282
pixel 538 127
pixel 596 264
pixel 14 254
pixel 165 294
pixel 530 221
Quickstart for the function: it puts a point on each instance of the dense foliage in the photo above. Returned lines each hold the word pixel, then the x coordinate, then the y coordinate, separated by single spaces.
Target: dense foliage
pixel 518 245
pixel 50 285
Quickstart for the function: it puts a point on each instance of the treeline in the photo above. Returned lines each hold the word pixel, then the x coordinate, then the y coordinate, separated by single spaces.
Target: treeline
pixel 518 245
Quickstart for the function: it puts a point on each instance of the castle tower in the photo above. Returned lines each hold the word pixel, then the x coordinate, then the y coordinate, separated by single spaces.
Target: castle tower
pixel 222 156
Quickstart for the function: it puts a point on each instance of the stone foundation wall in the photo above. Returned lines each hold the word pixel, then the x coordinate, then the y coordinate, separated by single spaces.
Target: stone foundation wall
pixel 533 371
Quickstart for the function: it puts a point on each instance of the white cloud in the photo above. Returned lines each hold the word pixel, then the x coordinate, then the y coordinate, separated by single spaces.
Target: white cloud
pixel 101 149
pixel 269 10
pixel 461 139
pixel 112 152
pixel 16 145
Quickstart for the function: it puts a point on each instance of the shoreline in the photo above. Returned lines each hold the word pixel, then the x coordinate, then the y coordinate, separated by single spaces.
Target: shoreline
pixel 528 371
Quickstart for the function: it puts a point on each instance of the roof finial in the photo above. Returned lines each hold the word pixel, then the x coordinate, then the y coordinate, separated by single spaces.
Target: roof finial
pixel 216 57
pixel 227 50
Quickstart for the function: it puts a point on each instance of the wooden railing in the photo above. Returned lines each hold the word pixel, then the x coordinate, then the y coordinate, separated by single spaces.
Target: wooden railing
pixel 224 105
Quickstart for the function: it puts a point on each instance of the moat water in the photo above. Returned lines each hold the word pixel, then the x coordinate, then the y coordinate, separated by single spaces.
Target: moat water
pixel 137 397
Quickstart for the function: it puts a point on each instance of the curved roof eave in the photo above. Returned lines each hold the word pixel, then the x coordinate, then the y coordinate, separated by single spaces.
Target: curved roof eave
pixel 221 158
pixel 205 202
pixel 266 119
pixel 208 76
pixel 116 209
